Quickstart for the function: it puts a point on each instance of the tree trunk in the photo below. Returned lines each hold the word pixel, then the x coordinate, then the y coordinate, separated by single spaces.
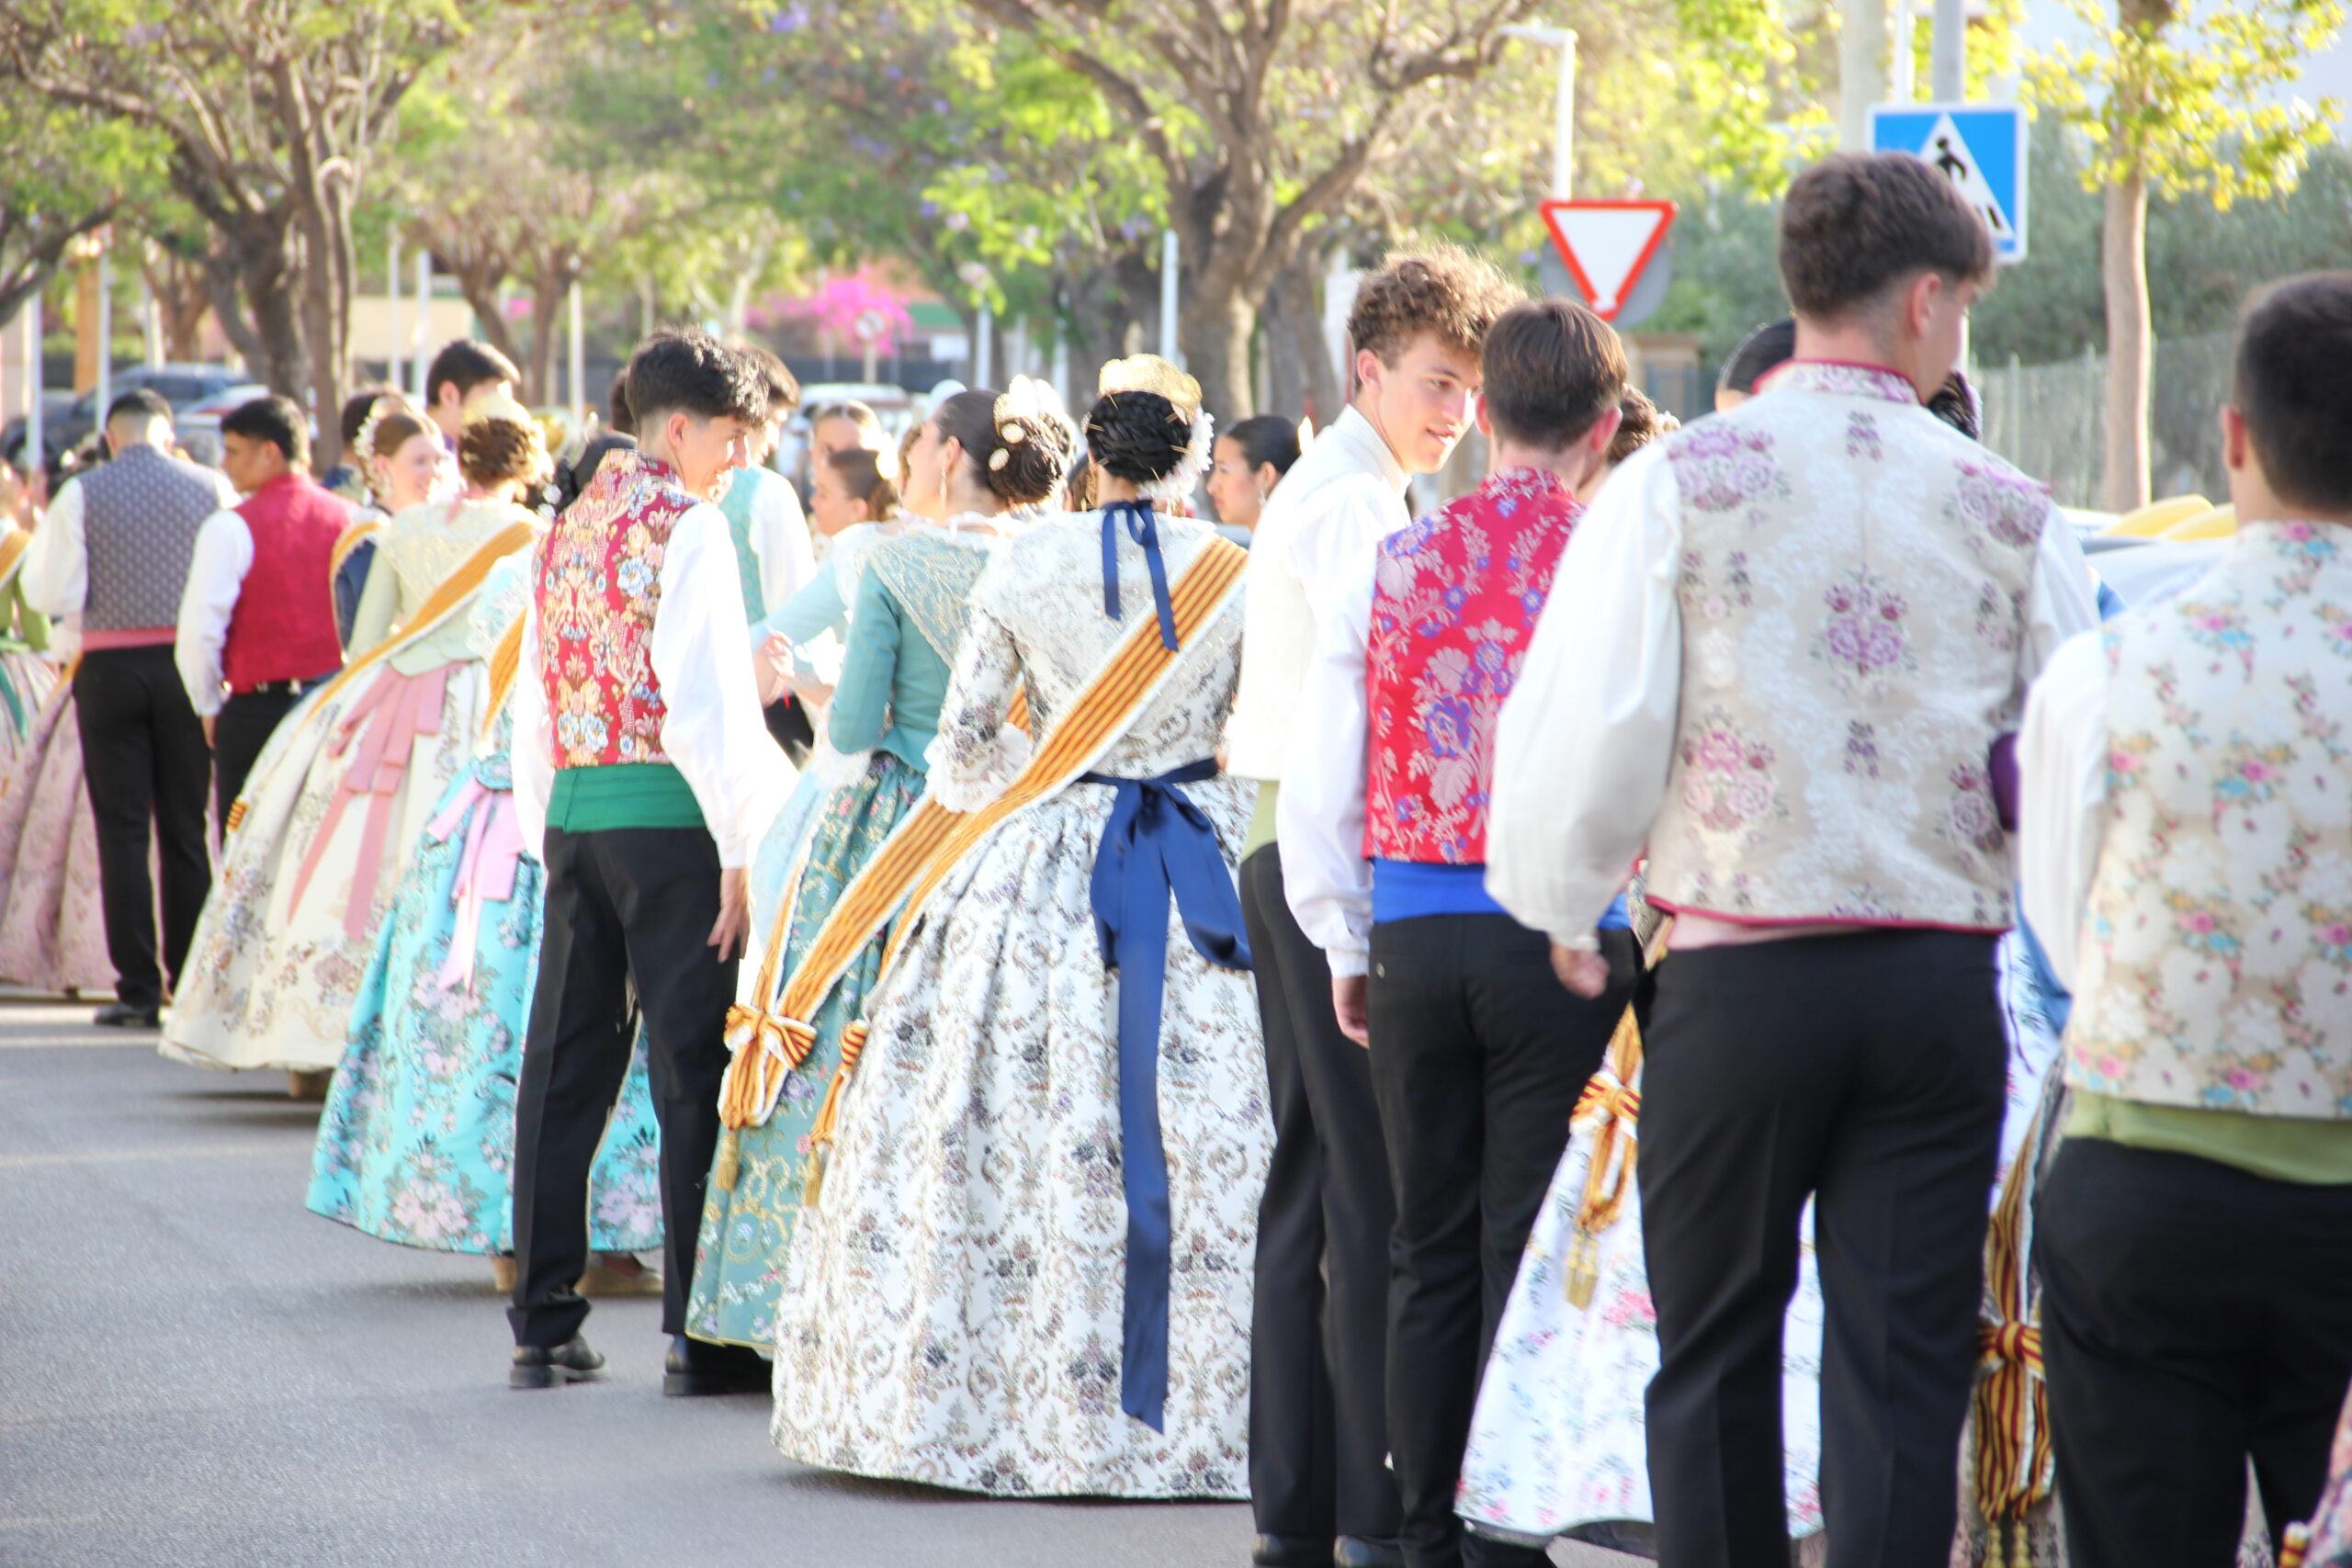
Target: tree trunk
pixel 1305 381
pixel 550 291
pixel 1215 335
pixel 2130 343
pixel 181 300
pixel 328 278
pixel 480 289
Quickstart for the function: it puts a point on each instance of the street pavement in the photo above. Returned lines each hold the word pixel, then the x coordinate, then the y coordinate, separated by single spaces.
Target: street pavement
pixel 197 1370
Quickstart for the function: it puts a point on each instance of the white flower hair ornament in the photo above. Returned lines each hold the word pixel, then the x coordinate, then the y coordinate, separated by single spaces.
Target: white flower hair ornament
pixel 1029 406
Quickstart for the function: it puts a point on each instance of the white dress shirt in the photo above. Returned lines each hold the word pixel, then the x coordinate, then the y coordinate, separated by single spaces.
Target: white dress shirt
pixel 1342 497
pixel 780 541
pixel 1318 817
pixel 56 573
pixel 1585 741
pixel 215 576
pixel 2062 796
pixel 711 728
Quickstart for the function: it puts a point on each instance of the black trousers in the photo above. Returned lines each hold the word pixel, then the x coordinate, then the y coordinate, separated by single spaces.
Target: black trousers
pixel 246 721
pixel 1478 1054
pixel 144 761
pixel 2193 1315
pixel 1319 1421
pixel 629 918
pixel 787 721
pixel 1866 1071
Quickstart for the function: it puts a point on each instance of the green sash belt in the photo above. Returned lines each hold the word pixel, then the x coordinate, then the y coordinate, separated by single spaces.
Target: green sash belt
pixel 622 794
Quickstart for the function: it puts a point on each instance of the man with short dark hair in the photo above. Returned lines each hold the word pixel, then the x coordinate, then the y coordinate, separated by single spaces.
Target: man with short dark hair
pixel 1780 653
pixel 1478 1056
pixel 114 549
pixel 2187 861
pixel 462 374
pixel 642 778
pixel 1320 1483
pixel 257 621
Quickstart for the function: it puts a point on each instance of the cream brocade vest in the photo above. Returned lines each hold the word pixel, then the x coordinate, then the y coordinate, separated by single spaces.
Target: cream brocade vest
pixel 2217 951
pixel 1854 584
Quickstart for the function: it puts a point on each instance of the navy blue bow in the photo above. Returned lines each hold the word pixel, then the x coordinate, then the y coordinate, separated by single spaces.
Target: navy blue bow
pixel 1143 529
pixel 1157 842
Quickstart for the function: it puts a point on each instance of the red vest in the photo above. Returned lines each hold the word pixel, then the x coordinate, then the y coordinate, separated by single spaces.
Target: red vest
pixel 1454 601
pixel 598 583
pixel 283 627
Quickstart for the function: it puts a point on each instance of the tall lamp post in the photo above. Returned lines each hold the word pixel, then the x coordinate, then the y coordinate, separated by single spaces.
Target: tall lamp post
pixel 1564 102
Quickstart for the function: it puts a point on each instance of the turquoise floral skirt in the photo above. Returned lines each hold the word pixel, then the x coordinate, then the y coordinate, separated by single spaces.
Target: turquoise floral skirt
pixel 739 1254
pixel 418 1142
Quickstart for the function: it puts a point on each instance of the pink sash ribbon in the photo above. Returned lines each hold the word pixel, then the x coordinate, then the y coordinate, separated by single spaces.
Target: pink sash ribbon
pixel 396 709
pixel 486 868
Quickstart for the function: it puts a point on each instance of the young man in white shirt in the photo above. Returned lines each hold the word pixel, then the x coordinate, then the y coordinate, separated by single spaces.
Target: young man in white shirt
pixel 114 549
pixel 643 778
pixel 462 374
pixel 2187 861
pixel 1319 1484
pixel 1779 654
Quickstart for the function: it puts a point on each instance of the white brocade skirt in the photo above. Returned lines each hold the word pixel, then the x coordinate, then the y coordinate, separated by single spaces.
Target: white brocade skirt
pixel 952 1312
pixel 306 877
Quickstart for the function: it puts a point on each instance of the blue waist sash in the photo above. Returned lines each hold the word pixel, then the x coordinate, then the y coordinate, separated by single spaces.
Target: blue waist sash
pixel 1157 842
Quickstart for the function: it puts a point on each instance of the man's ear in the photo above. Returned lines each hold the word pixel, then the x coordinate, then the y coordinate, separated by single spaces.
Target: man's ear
pixel 1604 431
pixel 2237 453
pixel 1919 303
pixel 1369 370
pixel 1478 411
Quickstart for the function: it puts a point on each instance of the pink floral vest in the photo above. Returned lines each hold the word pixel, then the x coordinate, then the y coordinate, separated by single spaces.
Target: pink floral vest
pixel 2217 950
pixel 1455 602
pixel 598 580
pixel 1853 591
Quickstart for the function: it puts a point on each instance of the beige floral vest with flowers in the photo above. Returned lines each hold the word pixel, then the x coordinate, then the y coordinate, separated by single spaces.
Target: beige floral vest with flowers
pixel 1853 589
pixel 2217 950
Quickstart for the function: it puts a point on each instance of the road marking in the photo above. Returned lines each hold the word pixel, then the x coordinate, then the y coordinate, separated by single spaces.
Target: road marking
pixel 108 1156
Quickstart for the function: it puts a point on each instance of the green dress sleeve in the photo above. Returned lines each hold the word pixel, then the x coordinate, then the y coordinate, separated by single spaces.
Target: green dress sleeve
pixel 816 609
pixel 861 705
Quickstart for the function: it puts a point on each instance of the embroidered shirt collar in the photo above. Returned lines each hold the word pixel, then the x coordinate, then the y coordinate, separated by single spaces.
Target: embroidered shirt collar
pixel 1364 441
pixel 1524 481
pixel 1844 378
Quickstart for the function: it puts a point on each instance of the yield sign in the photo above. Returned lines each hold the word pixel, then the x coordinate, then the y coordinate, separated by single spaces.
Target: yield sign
pixel 1607 245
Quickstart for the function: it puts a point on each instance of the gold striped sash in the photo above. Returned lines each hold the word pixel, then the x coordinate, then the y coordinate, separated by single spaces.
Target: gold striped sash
pixel 506 660
pixel 926 846
pixel 347 541
pixel 2015 1465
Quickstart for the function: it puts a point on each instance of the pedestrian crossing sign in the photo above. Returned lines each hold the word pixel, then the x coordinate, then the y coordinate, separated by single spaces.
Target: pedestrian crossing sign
pixel 1980 148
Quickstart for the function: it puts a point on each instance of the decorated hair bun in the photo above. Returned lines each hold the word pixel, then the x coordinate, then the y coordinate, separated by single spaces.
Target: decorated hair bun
pixel 1032 444
pixel 1147 427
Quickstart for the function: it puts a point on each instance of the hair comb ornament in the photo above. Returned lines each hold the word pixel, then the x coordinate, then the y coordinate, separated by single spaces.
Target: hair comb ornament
pixel 1149 373
pixel 364 445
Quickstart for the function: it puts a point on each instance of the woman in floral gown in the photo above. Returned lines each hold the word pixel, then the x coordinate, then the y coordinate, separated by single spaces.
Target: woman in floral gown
pixel 52 928
pixel 417 1141
pixel 954 1307
pixel 349 781
pixel 908 617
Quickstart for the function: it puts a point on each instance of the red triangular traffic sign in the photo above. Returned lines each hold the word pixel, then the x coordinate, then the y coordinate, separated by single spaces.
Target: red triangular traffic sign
pixel 1606 244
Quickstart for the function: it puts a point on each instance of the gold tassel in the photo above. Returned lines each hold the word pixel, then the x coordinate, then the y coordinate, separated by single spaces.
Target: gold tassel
pixel 821 1132
pixel 1584 1269
pixel 730 1164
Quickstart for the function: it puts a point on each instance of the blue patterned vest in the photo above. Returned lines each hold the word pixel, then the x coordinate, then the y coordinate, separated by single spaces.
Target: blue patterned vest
pixel 140 515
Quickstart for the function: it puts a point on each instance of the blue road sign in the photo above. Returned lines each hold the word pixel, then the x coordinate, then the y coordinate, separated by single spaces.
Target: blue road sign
pixel 1980 147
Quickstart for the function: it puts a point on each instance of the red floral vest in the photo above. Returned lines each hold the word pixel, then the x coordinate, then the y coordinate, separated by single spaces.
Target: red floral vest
pixel 1455 602
pixel 598 583
pixel 283 627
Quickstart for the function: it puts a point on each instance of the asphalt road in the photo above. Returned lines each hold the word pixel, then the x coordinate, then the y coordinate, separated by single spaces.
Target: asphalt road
pixel 195 1370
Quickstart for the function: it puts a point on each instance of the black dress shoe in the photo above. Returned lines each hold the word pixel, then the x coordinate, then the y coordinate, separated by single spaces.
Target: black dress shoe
pixel 1291 1551
pixel 1358 1551
pixel 127 1015
pixel 696 1369
pixel 537 1366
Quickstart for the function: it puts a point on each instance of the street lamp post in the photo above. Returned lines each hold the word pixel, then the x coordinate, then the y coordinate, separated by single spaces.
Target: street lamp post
pixel 1564 102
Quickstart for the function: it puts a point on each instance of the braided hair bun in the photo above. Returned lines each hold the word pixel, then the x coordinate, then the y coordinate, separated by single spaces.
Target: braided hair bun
pixel 502 444
pixel 1137 436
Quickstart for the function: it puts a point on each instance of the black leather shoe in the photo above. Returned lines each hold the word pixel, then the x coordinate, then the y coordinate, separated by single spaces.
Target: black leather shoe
pixel 1291 1552
pixel 537 1366
pixel 127 1015
pixel 696 1369
pixel 1356 1552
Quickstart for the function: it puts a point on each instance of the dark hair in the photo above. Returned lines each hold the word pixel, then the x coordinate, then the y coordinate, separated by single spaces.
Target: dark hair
pixel 782 386
pixel 860 471
pixel 1265 440
pixel 359 406
pixel 1137 436
pixel 274 420
pixel 1445 291
pixel 1760 353
pixel 144 401
pixel 1955 404
pixel 2291 388
pixel 466 364
pixel 1078 488
pixel 1551 368
pixel 856 413
pixel 1644 422
pixel 1858 222
pixel 499 449
pixel 618 415
pixel 1032 465
pixel 691 372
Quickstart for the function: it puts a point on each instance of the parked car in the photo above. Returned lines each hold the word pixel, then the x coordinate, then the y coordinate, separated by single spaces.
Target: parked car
pixel 181 385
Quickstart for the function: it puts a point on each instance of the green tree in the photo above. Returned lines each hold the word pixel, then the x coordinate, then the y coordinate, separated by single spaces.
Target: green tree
pixel 2182 102
pixel 66 174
